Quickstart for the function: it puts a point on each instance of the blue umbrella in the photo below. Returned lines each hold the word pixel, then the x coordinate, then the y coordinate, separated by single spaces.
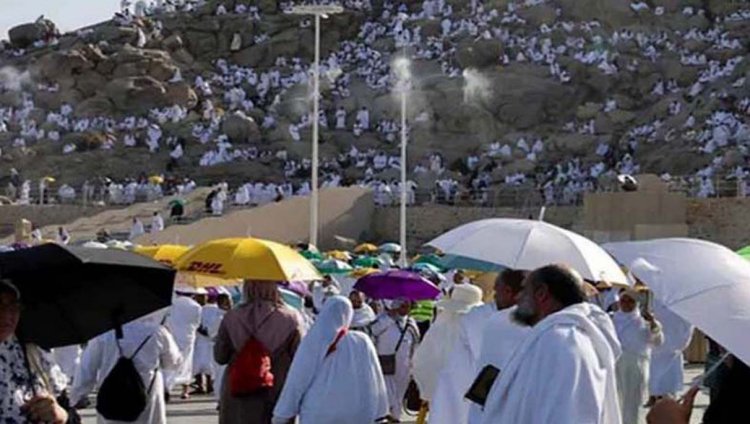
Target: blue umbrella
pixel 462 262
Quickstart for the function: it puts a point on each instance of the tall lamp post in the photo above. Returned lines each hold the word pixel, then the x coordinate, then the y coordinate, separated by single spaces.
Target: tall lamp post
pixel 319 11
pixel 403 73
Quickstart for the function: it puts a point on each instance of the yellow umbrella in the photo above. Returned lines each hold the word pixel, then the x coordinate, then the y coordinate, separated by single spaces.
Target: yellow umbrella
pixel 361 272
pixel 165 253
pixel 168 254
pixel 339 254
pixel 198 280
pixel 366 248
pixel 247 258
pixel 156 179
pixel 49 179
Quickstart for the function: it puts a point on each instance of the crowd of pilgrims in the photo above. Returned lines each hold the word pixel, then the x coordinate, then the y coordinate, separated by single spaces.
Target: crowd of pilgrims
pixel 232 89
pixel 340 357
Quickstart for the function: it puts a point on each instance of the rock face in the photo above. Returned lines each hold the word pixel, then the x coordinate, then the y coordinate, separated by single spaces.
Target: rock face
pixel 23 36
pixel 241 128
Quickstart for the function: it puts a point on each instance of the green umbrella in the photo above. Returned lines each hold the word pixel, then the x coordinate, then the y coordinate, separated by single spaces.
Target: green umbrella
pixel 431 259
pixel 310 255
pixel 469 264
pixel 333 266
pixel 744 252
pixel 368 262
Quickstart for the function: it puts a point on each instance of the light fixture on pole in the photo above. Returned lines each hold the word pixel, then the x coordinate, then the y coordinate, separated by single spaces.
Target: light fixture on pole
pixel 318 11
pixel 403 73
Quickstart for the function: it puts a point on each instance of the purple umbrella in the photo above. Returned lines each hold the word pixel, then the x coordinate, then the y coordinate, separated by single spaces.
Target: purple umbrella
pixel 397 284
pixel 298 287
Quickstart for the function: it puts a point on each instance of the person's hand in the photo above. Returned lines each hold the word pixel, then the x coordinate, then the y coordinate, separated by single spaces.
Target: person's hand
pixel 44 409
pixel 670 411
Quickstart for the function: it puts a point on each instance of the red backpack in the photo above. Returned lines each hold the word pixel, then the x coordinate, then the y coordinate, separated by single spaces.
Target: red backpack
pixel 250 373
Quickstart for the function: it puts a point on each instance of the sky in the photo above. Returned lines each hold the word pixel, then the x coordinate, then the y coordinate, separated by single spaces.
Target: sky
pixel 66 14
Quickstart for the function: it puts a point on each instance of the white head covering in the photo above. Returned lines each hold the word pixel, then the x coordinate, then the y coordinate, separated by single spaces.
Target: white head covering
pixel 336 314
pixel 462 299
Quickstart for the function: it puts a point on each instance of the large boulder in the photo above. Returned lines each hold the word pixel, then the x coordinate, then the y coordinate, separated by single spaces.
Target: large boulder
pixel 59 64
pixel 241 128
pixel 136 94
pixel 93 107
pixel 181 94
pixel 23 36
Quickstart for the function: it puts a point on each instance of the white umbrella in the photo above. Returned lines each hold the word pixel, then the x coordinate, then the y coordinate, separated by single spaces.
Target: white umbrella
pixel 526 245
pixel 706 284
pixel 94 245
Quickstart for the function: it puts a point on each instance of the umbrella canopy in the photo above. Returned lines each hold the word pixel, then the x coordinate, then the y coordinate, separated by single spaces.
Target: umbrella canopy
pixel 366 248
pixel 247 258
pixel 156 179
pixel 165 253
pixel 172 203
pixel 744 252
pixel 431 259
pixel 706 284
pixel 396 285
pixel 462 262
pixel 361 272
pixel 390 248
pixel 72 294
pixel 311 255
pixel 94 245
pixel 340 255
pixel 425 267
pixel 368 262
pixel 526 245
pixel 299 287
pixel 333 266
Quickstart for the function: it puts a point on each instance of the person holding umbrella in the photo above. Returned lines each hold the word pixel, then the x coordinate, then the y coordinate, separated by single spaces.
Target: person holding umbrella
pixel 28 380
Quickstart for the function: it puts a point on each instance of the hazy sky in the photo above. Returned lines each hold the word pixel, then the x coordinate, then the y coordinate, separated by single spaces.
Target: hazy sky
pixel 67 14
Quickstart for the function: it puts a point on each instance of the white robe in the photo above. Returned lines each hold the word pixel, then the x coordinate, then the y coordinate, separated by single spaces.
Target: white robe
pixel 448 404
pixel 158 354
pixel 431 356
pixel 386 332
pixel 563 372
pixel 500 338
pixel 636 339
pixel 203 362
pixel 666 373
pixel 68 358
pixel 341 387
pixel 363 317
pixel 183 322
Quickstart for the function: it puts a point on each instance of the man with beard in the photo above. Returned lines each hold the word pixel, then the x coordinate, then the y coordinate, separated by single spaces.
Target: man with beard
pixel 564 369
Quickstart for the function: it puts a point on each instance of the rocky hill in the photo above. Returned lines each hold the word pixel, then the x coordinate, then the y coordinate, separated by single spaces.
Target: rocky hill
pixel 561 94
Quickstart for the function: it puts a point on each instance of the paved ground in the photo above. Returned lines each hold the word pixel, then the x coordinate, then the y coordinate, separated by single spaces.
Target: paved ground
pixel 202 409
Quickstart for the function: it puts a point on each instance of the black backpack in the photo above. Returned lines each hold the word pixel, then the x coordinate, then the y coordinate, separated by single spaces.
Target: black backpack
pixel 122 395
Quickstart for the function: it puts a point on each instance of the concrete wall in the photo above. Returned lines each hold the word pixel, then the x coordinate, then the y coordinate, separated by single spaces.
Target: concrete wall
pixel 725 221
pixel 42 215
pixel 344 212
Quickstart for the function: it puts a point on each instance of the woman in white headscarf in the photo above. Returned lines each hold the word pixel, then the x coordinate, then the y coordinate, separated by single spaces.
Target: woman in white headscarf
pixel 637 334
pixel 335 377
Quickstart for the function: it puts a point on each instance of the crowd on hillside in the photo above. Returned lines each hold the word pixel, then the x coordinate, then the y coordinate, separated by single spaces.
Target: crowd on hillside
pixel 268 93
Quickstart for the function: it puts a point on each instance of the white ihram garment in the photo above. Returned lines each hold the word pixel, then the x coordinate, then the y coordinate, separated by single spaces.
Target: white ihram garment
pixel 431 355
pixel 448 403
pixel 568 360
pixel 500 338
pixel 203 362
pixel 666 374
pixel 636 339
pixel 160 353
pixel 386 331
pixel 183 322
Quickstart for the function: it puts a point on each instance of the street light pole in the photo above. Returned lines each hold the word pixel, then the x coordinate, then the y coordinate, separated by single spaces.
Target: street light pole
pixel 318 11
pixel 402 232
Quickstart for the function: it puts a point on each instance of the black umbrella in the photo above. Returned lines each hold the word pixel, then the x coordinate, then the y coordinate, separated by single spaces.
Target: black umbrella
pixel 72 294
